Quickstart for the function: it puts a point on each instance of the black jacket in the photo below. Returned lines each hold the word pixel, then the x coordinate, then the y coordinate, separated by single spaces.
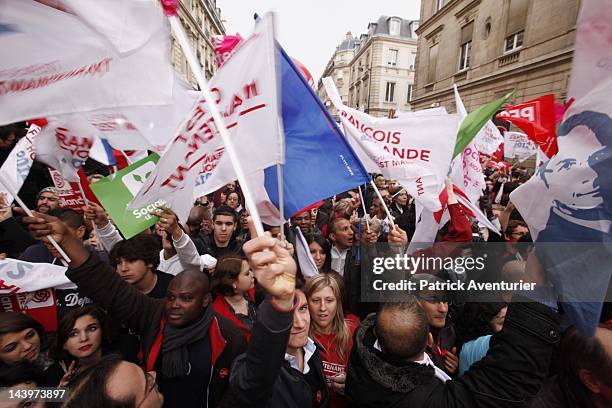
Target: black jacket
pixel 262 377
pixel 512 371
pixel 205 244
pixel 144 315
pixel 14 239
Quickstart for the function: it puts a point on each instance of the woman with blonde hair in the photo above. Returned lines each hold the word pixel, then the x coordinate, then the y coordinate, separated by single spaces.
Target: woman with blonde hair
pixel 332 330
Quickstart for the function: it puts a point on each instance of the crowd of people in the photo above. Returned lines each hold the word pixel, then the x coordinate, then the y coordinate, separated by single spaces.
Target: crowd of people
pixel 202 312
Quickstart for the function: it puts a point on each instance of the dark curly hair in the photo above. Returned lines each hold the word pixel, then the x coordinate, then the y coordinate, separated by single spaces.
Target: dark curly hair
pixel 141 247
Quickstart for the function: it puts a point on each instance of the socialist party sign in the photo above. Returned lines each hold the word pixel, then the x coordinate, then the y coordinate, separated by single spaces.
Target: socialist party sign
pixel 68 191
pixel 118 189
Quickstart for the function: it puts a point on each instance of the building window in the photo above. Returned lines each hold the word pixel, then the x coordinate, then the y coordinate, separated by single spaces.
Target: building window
pixel 515 27
pixel 409 96
pixel 514 41
pixel 394 26
pixel 389 93
pixel 466 46
pixel 439 4
pixel 433 61
pixel 464 56
pixel 392 57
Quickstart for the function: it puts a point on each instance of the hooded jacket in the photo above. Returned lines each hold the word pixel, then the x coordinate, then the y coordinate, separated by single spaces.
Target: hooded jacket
pixel 513 370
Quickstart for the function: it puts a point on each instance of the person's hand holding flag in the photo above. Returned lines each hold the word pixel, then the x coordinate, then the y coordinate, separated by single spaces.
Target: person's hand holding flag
pixel 273 267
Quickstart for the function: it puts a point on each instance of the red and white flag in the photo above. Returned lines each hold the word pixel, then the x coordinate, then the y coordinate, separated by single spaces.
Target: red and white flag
pixel 415 150
pixel 65 145
pixel 537 119
pixel 247 97
pixel 54 63
pixel 466 169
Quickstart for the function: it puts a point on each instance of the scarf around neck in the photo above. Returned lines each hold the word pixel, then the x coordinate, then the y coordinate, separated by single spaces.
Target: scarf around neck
pixel 175 354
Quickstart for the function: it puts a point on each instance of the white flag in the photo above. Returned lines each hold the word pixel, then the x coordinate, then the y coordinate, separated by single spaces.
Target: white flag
pixel 305 260
pixel 128 25
pixel 20 276
pixel 17 165
pixel 140 127
pixel 66 144
pixel 53 63
pixel 592 59
pixel 466 168
pixel 246 91
pixel 518 146
pixel 414 150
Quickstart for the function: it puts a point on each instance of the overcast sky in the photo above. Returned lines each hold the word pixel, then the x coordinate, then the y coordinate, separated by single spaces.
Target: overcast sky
pixel 311 30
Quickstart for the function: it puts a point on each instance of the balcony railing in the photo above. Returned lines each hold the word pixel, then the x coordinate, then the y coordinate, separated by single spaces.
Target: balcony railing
pixel 508 59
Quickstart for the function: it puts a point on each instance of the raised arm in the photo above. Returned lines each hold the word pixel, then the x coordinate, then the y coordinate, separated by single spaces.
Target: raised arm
pixel 106 232
pixel 185 248
pixel 254 375
pixel 519 356
pixel 94 277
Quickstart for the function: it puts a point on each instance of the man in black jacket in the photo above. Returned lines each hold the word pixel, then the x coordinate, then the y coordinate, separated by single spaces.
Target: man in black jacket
pixel 282 366
pixel 183 340
pixel 222 240
pixel 388 365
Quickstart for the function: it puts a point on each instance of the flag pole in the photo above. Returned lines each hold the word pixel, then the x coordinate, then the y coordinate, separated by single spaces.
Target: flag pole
pixel 12 192
pixel 179 32
pixel 365 213
pixel 383 203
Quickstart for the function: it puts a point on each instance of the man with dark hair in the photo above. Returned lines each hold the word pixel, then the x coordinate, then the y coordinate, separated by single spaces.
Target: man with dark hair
pixel 8 135
pixel 222 240
pixel 45 252
pixel 585 373
pixel 303 221
pixel 136 261
pixel 384 372
pixel 434 303
pixel 47 200
pixel 512 235
pixel 183 340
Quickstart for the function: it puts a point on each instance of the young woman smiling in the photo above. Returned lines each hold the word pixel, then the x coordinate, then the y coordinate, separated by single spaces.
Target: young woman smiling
pixel 331 330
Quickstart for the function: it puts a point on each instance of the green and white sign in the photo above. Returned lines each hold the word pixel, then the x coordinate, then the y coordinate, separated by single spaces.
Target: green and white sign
pixel 117 190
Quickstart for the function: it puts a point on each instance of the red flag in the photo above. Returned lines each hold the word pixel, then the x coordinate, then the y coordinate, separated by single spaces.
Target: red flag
pixel 537 119
pixel 89 195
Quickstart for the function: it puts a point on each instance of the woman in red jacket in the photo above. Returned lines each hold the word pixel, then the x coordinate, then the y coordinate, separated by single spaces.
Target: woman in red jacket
pixel 331 330
pixel 233 282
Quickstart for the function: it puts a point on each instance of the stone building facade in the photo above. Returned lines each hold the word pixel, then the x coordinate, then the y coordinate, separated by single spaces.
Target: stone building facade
pixel 201 20
pixel 489 47
pixel 380 75
pixel 338 68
